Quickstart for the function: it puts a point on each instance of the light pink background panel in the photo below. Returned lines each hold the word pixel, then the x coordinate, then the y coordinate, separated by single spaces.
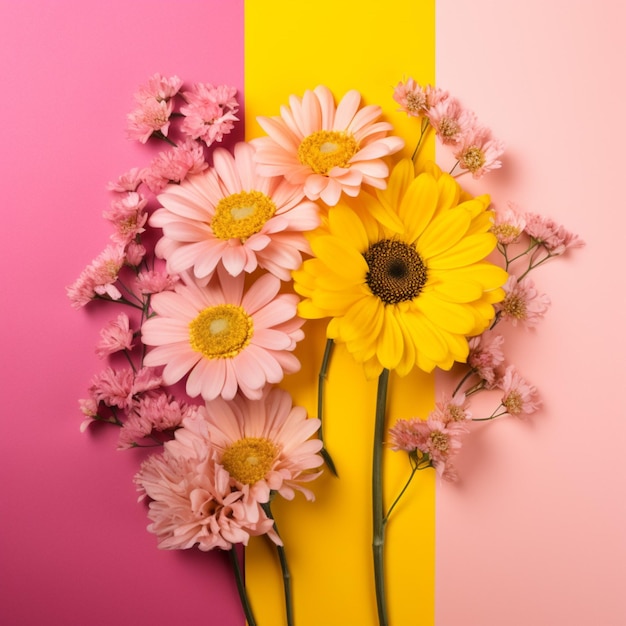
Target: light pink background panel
pixel 535 534
pixel 74 549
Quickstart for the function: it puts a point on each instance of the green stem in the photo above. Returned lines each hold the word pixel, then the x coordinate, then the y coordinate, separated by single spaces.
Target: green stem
pixel 282 557
pixel 408 482
pixel 241 587
pixel 377 498
pixel 321 380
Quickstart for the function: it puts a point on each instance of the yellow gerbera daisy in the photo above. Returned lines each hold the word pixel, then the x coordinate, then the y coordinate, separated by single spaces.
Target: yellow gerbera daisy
pixel 403 273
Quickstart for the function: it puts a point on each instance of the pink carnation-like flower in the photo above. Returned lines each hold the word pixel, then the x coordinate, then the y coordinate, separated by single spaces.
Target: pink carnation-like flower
pixel 416 100
pixel 115 336
pixel 154 107
pixel 451 121
pixel 128 216
pixel 98 278
pixel 554 237
pixel 158 88
pixel 192 498
pixel 151 116
pixel 128 181
pixel 326 149
pixel 519 398
pixel 235 218
pixel 119 387
pixel 440 441
pixel 152 413
pixel 153 281
pixel 486 355
pixel 265 444
pixel 135 253
pixel 478 153
pixel 174 165
pixel 508 224
pixel 224 338
pixel 451 409
pixel 523 304
pixel 209 112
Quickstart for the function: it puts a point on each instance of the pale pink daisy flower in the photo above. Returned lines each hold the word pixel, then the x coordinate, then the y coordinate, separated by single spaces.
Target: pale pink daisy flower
pixel 209 112
pixel 128 217
pixel 519 397
pixel 119 387
pixel 523 304
pixel 478 153
pixel 98 279
pixel 128 181
pixel 486 355
pixel 149 118
pixel 224 338
pixel 153 281
pixel 451 121
pixel 265 445
pixel 509 224
pixel 115 336
pixel 234 217
pixel 327 150
pixel 174 165
pixel 193 502
pixel 554 237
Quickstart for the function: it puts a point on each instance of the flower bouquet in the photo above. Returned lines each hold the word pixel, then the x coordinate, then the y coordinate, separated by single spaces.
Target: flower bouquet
pixel 219 256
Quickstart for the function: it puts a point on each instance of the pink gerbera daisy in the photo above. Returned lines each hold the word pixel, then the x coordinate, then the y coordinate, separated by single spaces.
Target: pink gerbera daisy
pixel 235 217
pixel 265 444
pixel 326 149
pixel 225 338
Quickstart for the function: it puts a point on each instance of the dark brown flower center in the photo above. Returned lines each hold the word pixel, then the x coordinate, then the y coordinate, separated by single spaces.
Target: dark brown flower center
pixel 396 271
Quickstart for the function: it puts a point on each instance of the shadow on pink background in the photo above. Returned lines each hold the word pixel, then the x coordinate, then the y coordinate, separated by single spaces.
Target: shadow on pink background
pixel 534 534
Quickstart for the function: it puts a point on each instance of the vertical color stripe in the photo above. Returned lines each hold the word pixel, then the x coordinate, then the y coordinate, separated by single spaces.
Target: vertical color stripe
pixel 291 47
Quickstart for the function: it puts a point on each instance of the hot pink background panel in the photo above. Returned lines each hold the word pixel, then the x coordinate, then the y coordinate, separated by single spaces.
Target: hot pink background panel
pixel 73 545
pixel 535 533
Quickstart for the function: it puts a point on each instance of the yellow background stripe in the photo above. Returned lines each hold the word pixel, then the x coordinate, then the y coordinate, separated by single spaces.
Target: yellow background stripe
pixel 345 44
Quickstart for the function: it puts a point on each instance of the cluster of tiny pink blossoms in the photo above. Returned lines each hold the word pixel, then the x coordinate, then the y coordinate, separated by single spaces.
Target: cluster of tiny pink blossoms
pixel 472 144
pixel 194 311
pixel 525 241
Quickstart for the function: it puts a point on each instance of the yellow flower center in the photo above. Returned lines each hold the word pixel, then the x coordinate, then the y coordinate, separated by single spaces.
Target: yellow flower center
pixel 221 332
pixel 439 441
pixel 415 101
pixel 241 215
pixel 326 149
pixel 514 306
pixel 448 128
pixel 396 271
pixel 513 403
pixel 473 158
pixel 506 233
pixel 248 460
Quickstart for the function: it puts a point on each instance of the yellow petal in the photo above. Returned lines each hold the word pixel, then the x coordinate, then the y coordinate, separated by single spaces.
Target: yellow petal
pixel 443 232
pixel 390 342
pixel 467 251
pixel 418 205
pixel 450 316
pixel 339 256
